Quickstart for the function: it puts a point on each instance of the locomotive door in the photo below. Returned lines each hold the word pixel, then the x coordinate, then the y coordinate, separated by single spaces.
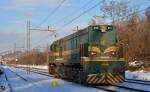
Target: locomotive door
pixel 84 50
pixel 83 54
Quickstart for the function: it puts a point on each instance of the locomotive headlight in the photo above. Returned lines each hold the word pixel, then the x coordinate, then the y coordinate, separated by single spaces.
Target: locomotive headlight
pixel 111 50
pixel 109 28
pixel 56 54
pixel 94 50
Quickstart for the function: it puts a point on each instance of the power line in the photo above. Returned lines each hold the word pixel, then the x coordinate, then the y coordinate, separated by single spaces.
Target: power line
pixel 29 28
pixel 49 35
pixel 74 12
pixel 67 17
pixel 84 12
pixel 51 13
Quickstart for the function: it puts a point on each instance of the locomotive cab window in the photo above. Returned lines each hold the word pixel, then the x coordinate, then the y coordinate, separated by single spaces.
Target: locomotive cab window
pixel 109 28
pixel 96 28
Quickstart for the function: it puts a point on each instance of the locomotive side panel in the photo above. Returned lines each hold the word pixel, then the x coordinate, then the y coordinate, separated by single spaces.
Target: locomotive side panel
pixel 65 56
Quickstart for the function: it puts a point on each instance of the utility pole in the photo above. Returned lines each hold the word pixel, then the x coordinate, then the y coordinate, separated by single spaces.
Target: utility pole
pixel 28 45
pixel 29 39
pixel 15 54
pixel 28 36
pixel 47 53
pixel 47 48
pixel 14 47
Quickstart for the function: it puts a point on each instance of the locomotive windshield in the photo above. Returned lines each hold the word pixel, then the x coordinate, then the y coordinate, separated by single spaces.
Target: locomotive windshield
pixel 102 37
pixel 102 28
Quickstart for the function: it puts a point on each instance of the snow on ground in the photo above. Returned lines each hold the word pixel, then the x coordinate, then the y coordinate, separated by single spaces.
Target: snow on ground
pixel 3 84
pixel 35 66
pixel 41 83
pixel 136 86
pixel 140 75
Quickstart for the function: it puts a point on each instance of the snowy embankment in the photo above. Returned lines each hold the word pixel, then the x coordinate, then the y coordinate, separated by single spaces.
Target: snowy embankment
pixel 35 66
pixel 139 75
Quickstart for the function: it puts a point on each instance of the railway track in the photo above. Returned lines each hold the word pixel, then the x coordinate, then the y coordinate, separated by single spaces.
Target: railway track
pixel 120 88
pixel 37 70
pixel 110 88
pixel 106 88
pixel 18 75
pixel 27 82
pixel 8 81
pixel 9 85
pixel 117 88
pixel 114 88
pixel 130 88
pixel 138 81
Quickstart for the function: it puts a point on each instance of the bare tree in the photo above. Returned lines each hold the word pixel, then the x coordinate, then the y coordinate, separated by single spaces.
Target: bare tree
pixel 114 9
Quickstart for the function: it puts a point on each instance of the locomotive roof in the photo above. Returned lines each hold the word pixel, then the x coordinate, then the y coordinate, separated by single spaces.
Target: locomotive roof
pixel 84 30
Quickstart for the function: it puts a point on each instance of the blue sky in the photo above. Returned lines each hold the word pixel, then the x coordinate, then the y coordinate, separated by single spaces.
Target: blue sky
pixel 15 13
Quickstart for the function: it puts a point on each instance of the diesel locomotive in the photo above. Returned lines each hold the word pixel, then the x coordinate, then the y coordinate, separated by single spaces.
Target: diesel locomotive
pixel 89 56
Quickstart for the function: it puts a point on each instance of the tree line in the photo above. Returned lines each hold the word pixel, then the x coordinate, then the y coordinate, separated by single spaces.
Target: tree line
pixel 133 25
pixel 34 57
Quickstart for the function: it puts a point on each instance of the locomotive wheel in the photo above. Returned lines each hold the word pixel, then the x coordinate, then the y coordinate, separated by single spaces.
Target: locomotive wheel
pixel 61 71
pixel 56 74
pixel 81 78
pixel 78 75
pixel 51 69
pixel 67 73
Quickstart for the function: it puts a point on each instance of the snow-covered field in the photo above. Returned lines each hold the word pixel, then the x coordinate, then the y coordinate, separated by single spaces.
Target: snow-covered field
pixel 140 75
pixel 41 83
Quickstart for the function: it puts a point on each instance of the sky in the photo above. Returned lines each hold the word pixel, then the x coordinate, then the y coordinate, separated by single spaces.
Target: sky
pixel 15 13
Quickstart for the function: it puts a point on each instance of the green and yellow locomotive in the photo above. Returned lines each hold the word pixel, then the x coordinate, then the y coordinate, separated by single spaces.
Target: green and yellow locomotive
pixel 89 56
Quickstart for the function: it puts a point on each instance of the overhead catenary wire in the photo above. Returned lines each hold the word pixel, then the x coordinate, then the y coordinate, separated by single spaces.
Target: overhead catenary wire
pixel 115 20
pixel 51 13
pixel 84 12
pixel 74 12
pixel 49 35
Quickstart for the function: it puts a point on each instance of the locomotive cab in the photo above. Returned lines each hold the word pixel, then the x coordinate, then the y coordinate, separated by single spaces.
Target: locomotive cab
pixel 102 65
